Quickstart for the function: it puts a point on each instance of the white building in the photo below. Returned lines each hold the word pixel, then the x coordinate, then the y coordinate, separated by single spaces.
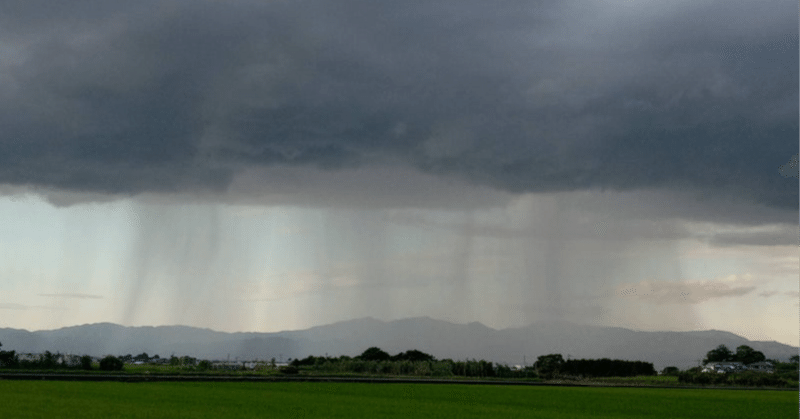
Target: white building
pixel 723 367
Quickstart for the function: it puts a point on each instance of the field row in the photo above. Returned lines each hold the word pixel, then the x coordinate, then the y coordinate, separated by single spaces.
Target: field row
pixel 36 399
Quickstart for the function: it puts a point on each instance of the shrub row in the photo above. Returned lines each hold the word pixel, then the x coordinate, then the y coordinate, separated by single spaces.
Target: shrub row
pixel 607 368
pixel 430 368
pixel 748 378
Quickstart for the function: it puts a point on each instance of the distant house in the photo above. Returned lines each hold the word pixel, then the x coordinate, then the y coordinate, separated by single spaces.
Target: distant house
pixel 69 360
pixel 226 365
pixel 724 367
pixel 761 367
pixel 28 357
pixel 251 365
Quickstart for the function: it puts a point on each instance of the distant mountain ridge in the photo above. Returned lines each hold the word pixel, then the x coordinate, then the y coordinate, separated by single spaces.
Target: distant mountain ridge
pixel 439 338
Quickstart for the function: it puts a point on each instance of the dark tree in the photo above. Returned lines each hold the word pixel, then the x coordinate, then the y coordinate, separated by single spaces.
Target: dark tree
pixel 413 356
pixel 307 361
pixel 48 360
pixel 748 355
pixel 8 359
pixel 670 371
pixel 794 358
pixel 720 354
pixel 86 362
pixel 111 363
pixel 374 354
pixel 549 365
pixel 288 369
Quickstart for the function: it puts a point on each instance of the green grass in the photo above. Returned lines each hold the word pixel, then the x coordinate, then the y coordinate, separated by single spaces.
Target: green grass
pixel 654 380
pixel 53 399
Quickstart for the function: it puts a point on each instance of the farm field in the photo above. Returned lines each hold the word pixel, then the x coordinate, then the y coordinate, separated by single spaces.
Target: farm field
pixel 36 399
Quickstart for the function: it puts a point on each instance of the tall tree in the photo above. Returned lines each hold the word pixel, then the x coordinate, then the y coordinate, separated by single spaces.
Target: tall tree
pixel 720 354
pixel 8 358
pixel 86 362
pixel 549 365
pixel 748 355
pixel 374 354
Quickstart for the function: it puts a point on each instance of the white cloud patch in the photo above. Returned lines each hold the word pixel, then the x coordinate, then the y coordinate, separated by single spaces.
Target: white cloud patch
pixel 687 292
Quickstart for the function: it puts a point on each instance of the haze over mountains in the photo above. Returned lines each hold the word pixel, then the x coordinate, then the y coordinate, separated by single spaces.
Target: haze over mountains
pixel 439 338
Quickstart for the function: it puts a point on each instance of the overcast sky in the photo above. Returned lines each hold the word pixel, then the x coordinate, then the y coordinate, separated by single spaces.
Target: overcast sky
pixel 269 165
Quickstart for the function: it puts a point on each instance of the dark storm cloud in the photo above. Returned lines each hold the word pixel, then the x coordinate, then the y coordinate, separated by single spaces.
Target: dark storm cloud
pixel 175 96
pixel 785 237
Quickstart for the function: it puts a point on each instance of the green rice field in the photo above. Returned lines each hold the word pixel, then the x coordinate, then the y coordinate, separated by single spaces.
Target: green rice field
pixel 53 399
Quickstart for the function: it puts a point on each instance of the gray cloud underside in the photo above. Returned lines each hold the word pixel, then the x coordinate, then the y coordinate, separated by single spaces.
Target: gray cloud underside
pixel 787 237
pixel 72 295
pixel 176 96
pixel 13 306
pixel 691 292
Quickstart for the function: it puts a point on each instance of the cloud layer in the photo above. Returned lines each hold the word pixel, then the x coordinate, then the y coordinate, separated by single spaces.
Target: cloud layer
pixel 687 292
pixel 177 96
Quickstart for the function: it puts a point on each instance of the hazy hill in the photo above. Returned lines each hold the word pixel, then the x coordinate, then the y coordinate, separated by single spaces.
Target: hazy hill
pixel 439 338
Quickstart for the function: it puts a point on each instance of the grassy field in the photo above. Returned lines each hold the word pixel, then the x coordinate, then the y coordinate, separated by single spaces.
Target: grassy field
pixel 655 380
pixel 52 399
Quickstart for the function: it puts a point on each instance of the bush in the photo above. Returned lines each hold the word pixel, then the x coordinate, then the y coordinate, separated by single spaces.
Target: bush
pixel 749 378
pixel 111 363
pixel 606 368
pixel 442 369
pixel 758 379
pixel 288 369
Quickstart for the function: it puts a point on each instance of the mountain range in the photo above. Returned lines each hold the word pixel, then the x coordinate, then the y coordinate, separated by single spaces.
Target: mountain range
pixel 512 346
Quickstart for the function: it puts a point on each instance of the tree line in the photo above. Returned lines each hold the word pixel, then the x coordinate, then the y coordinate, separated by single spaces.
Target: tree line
pixel 552 365
pixel 55 361
pixel 744 354
pixel 412 362
pixel 417 363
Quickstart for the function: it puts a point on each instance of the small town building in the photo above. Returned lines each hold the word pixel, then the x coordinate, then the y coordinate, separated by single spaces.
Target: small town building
pixel 724 367
pixel 761 367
